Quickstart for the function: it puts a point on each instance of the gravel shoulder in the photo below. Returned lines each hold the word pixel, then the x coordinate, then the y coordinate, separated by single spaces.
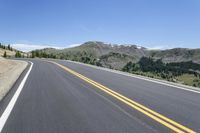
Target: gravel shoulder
pixel 10 70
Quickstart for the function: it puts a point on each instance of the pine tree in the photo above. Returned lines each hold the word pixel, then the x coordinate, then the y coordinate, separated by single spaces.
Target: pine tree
pixel 18 54
pixel 32 54
pixel 5 54
pixel 9 47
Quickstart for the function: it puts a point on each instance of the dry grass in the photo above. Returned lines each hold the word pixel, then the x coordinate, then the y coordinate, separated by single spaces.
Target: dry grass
pixel 8 52
pixel 189 79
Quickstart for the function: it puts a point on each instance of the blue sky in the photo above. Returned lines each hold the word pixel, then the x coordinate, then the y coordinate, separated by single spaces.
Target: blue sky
pixel 62 23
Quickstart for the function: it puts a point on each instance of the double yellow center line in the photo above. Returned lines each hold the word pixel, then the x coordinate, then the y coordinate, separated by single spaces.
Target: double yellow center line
pixel 148 112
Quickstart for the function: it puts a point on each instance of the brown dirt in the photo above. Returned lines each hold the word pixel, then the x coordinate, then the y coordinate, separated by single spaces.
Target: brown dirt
pixel 10 70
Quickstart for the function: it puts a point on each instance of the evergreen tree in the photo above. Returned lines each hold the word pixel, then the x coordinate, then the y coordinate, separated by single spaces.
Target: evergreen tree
pixel 32 54
pixel 5 54
pixel 18 54
pixel 9 48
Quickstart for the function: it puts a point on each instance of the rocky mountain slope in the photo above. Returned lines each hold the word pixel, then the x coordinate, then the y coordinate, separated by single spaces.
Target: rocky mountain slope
pixel 179 65
pixel 116 56
pixel 177 55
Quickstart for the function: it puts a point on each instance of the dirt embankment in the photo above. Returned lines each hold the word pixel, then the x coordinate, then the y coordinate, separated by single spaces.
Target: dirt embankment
pixel 10 70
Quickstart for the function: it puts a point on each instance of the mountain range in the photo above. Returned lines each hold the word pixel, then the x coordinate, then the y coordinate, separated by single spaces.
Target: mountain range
pixel 116 56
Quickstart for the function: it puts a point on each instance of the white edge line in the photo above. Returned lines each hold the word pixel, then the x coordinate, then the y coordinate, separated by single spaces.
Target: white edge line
pixel 12 102
pixel 137 76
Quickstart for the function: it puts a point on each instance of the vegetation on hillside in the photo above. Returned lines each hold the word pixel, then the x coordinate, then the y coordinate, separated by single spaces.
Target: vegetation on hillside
pixel 175 72
pixel 7 51
pixel 18 54
pixel 80 56
pixel 98 49
pixel 8 47
pixel 176 55
pixel 115 60
pixel 5 54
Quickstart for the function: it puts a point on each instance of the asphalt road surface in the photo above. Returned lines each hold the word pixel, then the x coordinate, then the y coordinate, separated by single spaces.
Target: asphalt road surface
pixel 58 99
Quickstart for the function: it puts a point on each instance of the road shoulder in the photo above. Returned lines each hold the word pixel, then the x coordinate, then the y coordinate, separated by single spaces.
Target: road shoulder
pixel 10 70
pixel 157 81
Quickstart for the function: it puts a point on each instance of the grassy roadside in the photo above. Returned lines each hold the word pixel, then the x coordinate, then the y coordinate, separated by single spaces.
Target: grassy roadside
pixel 189 79
pixel 185 79
pixel 186 73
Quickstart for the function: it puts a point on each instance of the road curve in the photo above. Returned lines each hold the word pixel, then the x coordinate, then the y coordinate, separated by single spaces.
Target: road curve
pixel 54 100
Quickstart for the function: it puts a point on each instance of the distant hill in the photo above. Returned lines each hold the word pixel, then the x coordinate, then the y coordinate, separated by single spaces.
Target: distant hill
pixel 179 65
pixel 116 56
pixel 177 55
pixel 108 55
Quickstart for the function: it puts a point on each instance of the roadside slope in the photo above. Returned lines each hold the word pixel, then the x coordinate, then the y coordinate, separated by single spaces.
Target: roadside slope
pixel 10 70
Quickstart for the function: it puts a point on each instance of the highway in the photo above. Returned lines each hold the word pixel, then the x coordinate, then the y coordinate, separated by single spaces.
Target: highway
pixel 65 97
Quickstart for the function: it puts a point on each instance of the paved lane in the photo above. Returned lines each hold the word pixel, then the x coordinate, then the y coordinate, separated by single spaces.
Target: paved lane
pixel 54 100
pixel 179 105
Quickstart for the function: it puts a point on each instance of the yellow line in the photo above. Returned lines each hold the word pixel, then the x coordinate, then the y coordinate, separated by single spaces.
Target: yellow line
pixel 150 113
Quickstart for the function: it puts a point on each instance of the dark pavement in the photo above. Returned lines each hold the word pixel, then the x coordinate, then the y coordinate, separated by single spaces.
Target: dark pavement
pixel 54 100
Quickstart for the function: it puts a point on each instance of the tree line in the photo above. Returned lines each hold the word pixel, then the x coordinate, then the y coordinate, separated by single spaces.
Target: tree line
pixel 42 54
pixel 163 70
pixel 18 54
pixel 80 56
pixel 8 47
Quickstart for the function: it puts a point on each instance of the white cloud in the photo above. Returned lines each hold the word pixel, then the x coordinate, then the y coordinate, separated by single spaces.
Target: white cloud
pixel 159 47
pixel 29 47
pixel 73 45
pixel 156 48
